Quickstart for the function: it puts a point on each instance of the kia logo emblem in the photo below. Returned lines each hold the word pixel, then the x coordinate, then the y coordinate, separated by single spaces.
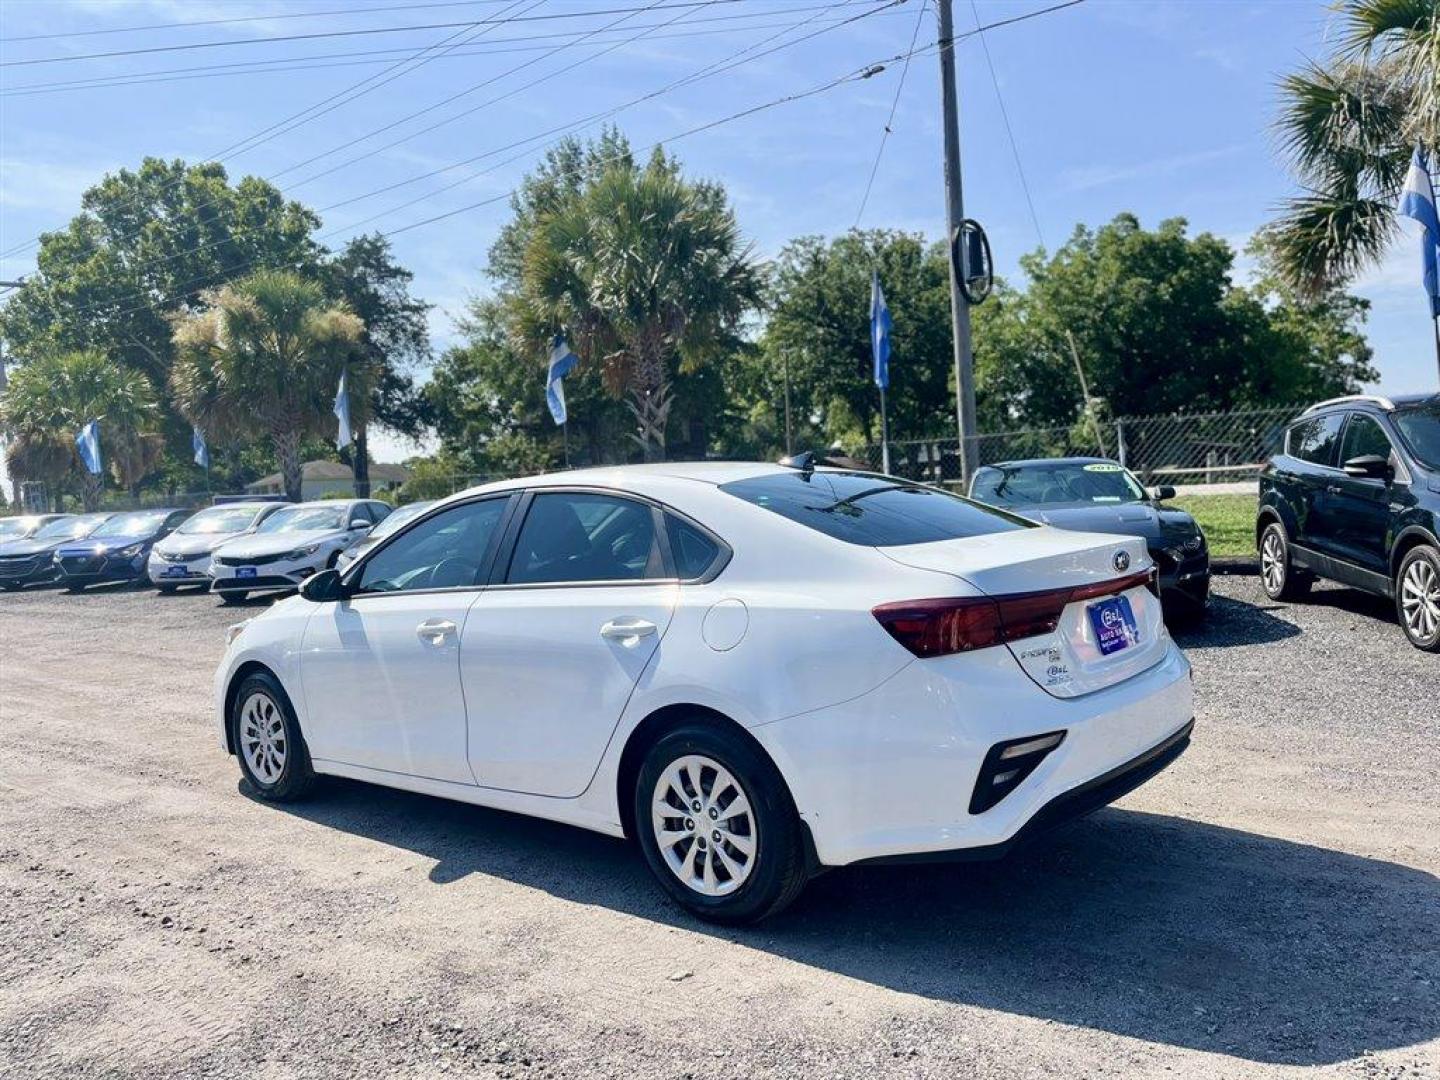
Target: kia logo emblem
pixel 1121 560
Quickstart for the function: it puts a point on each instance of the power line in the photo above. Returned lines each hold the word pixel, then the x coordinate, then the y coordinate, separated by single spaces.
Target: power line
pixel 347 33
pixel 1005 116
pixel 890 120
pixel 277 17
pixel 741 22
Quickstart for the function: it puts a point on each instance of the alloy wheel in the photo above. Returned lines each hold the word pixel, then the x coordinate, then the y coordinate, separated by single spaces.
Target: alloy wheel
pixel 262 737
pixel 1420 599
pixel 704 825
pixel 1272 561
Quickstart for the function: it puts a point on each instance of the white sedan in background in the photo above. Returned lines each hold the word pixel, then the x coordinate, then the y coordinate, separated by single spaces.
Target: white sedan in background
pixel 183 557
pixel 753 671
pixel 291 545
pixel 398 517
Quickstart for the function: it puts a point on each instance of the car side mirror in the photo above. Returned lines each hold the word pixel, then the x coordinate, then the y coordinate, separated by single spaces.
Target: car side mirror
pixel 1163 492
pixel 358 524
pixel 324 587
pixel 1369 467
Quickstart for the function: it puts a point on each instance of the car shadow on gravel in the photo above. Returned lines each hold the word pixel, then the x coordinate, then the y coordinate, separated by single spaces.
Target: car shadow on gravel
pixel 1231 622
pixel 1143 925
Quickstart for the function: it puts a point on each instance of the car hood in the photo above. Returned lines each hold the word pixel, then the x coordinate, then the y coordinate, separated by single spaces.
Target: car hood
pixel 197 544
pixel 31 546
pixel 1123 519
pixel 279 543
pixel 90 545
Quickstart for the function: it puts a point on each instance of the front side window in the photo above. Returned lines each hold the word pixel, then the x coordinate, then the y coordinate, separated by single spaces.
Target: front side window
pixel 446 551
pixel 1364 438
pixel 1420 428
pixel 876 511
pixel 575 536
pixel 1315 440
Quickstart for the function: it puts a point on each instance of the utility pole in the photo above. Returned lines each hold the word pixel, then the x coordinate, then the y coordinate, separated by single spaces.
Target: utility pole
pixel 14 493
pixel 789 444
pixel 954 215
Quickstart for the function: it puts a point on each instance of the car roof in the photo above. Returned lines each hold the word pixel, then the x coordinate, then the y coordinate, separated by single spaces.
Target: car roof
pixel 627 476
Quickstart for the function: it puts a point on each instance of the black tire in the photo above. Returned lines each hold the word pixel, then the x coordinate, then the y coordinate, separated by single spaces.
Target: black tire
pixel 1417 583
pixel 9 586
pixel 74 590
pixel 295 777
pixel 779 869
pixel 166 590
pixel 233 597
pixel 1279 577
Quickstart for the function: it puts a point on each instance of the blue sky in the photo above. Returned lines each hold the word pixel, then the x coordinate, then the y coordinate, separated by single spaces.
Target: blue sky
pixel 1163 109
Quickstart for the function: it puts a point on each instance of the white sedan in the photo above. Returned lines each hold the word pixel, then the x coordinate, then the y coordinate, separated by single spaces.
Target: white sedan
pixel 753 671
pixel 183 557
pixel 290 546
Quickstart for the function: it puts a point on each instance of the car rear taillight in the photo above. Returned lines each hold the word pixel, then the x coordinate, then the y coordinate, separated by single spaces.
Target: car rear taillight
pixel 952 624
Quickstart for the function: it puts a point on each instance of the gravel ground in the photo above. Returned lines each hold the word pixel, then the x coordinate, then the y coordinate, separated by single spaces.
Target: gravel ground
pixel 1267 907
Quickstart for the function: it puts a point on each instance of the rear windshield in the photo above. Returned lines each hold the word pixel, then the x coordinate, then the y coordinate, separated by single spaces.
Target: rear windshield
pixel 872 510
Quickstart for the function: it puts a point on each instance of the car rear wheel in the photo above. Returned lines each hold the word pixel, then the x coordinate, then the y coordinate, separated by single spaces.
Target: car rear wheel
pixel 717 826
pixel 1417 597
pixel 233 597
pixel 272 751
pixel 1278 576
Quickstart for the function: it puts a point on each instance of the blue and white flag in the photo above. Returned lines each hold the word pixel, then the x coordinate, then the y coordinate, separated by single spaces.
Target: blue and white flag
pixel 562 362
pixel 88 443
pixel 342 410
pixel 880 327
pixel 202 452
pixel 1417 200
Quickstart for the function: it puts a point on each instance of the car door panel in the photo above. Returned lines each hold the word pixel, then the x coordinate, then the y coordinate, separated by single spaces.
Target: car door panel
pixel 547 673
pixel 1359 508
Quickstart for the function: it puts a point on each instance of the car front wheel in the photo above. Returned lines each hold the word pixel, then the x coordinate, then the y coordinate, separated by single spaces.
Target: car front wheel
pixel 717 825
pixel 1278 576
pixel 1417 597
pixel 272 751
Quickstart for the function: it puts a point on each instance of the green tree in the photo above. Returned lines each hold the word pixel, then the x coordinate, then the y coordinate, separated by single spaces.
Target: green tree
pixel 145 245
pixel 819 329
pixel 646 274
pixel 53 396
pixel 394 344
pixel 266 353
pixel 1348 127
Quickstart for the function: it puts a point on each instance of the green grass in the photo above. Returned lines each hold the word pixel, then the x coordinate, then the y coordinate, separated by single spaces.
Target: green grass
pixel 1228 521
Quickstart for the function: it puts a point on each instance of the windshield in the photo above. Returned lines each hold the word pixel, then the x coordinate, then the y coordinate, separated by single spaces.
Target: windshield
pixel 1420 428
pixel 1098 483
pixel 301 518
pixel 873 510
pixel 71 528
pixel 399 517
pixel 12 527
pixel 137 524
pixel 219 519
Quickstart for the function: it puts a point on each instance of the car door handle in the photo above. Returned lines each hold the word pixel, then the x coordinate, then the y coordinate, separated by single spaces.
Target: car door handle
pixel 627 632
pixel 1334 489
pixel 435 630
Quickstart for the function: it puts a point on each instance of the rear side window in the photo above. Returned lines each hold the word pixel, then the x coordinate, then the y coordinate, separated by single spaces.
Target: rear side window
pixel 872 510
pixel 1315 440
pixel 583 536
pixel 694 552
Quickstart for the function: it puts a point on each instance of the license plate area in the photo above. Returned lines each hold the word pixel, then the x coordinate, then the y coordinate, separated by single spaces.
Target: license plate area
pixel 1113 621
pixel 177 571
pixel 245 571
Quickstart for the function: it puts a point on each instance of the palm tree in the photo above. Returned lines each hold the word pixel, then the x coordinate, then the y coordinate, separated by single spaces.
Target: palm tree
pixel 646 273
pixel 51 397
pixel 1348 128
pixel 266 352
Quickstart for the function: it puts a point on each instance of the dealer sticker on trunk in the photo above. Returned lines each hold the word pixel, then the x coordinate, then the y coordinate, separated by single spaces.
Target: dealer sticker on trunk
pixel 1114 624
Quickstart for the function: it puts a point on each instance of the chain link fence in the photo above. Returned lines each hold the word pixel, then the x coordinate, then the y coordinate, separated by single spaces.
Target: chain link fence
pixel 1182 448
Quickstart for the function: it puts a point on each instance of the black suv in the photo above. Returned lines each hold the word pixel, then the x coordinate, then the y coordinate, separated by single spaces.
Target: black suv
pixel 1354 496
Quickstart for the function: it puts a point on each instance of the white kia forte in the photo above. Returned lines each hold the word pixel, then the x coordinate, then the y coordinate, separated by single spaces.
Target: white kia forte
pixel 289 546
pixel 754 671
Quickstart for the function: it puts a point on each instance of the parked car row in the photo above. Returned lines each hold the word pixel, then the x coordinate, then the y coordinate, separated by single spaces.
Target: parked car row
pixel 232 549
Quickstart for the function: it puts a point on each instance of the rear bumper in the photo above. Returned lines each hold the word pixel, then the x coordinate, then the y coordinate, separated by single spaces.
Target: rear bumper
pixel 891 773
pixel 1075 803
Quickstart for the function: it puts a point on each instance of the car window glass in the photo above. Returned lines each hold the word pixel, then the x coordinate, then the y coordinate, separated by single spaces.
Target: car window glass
pixel 1057 482
pixel 580 536
pixel 1364 437
pixel 1420 428
pixel 1314 440
pixel 379 511
pixel 861 508
pixel 693 551
pixel 442 552
pixel 360 512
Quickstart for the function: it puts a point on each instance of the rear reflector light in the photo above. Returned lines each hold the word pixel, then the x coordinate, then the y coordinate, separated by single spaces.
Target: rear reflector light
pixel 1006 766
pixel 953 624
